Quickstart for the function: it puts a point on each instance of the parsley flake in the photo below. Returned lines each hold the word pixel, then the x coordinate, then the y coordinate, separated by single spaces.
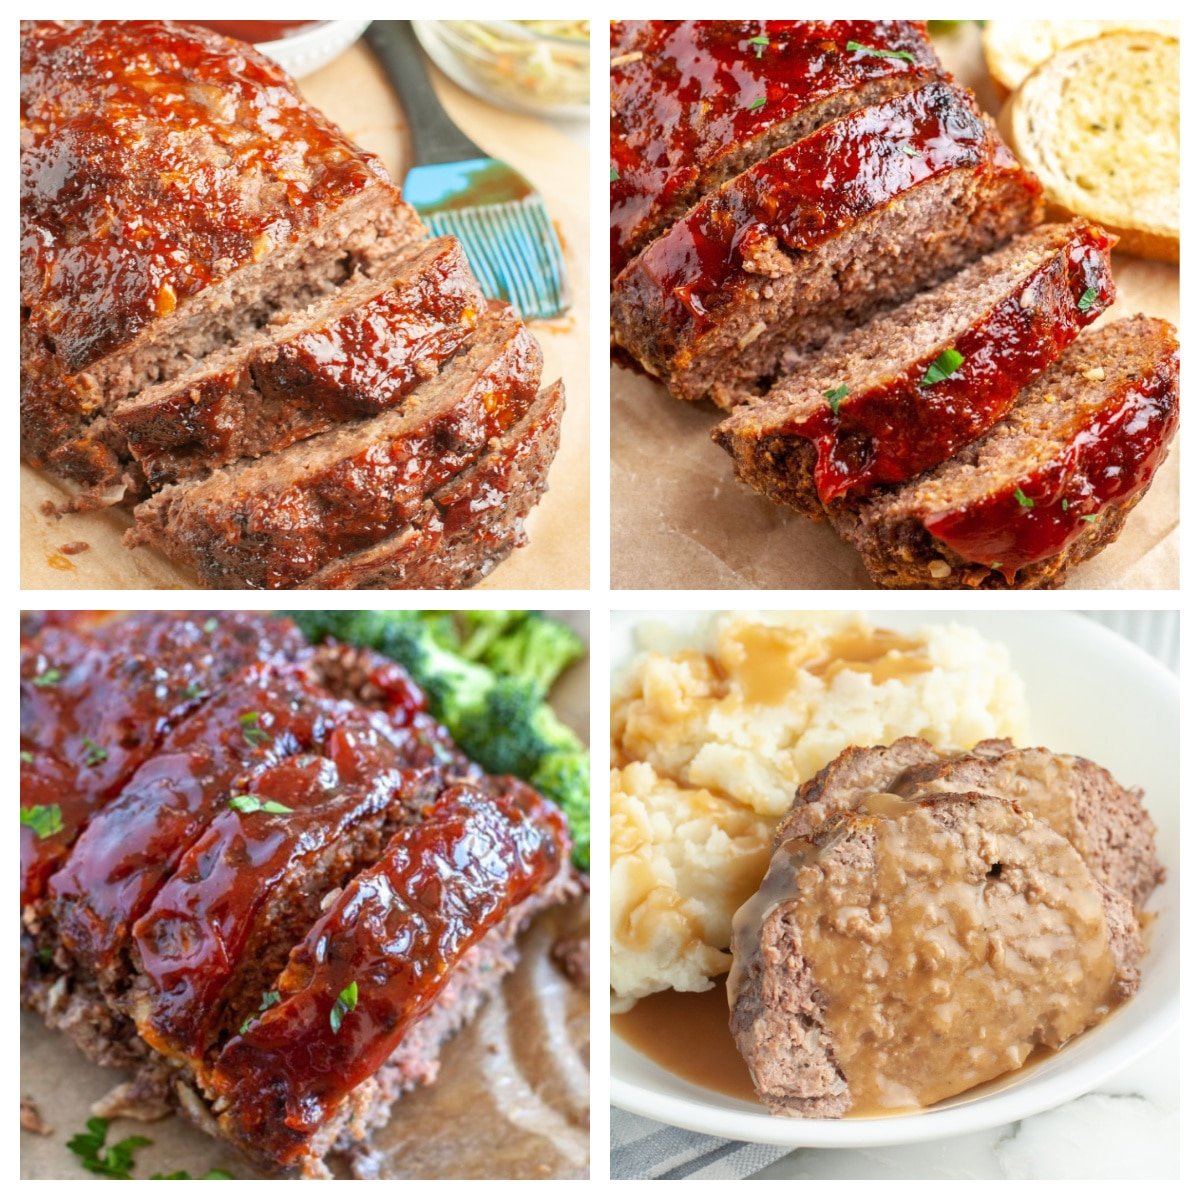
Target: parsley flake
pixel 210 626
pixel 942 367
pixel 93 755
pixel 1022 499
pixel 835 396
pixel 760 44
pixel 346 1002
pixel 1087 300
pixel 253 804
pixel 252 731
pixel 859 48
pixel 911 151
pixel 1065 506
pixel 111 1162
pixel 757 103
pixel 613 175
pixel 44 819
pixel 47 678
pixel 1090 517
pixel 27 756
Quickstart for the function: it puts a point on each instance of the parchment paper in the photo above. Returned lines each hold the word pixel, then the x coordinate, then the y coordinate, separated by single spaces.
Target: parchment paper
pixel 681 520
pixel 353 91
pixel 510 1102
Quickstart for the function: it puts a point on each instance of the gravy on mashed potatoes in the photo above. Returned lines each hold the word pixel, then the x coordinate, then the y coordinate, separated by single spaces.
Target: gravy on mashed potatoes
pixel 713 732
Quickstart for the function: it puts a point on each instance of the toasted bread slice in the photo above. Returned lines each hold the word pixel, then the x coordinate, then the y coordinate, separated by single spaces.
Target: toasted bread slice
pixel 1013 49
pixel 1098 123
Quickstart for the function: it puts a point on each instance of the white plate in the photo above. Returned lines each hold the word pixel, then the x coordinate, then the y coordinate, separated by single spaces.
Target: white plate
pixel 311 49
pixel 1090 693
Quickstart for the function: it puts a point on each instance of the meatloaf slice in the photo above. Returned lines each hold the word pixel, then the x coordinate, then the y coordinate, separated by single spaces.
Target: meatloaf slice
pixel 469 526
pixel 905 955
pixel 851 220
pixel 273 522
pixel 912 387
pixel 98 699
pixel 1048 486
pixel 176 192
pixel 694 103
pixel 352 354
pixel 374 964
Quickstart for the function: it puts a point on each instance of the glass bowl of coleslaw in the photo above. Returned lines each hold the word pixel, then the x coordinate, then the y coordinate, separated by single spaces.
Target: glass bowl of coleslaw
pixel 531 66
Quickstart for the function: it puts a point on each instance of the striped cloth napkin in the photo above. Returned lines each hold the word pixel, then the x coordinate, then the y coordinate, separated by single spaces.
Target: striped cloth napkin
pixel 645 1149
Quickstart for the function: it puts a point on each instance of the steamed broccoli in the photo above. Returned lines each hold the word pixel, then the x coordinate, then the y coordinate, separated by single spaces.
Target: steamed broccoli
pixel 537 648
pixel 482 627
pixel 511 729
pixel 564 777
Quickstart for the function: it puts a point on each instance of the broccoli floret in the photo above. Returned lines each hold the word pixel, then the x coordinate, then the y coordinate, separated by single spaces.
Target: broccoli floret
pixel 537 648
pixel 565 778
pixel 482 627
pixel 444 628
pixel 512 730
pixel 356 627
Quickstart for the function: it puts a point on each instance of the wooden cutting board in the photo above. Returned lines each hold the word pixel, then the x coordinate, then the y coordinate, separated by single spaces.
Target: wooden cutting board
pixel 680 520
pixel 354 92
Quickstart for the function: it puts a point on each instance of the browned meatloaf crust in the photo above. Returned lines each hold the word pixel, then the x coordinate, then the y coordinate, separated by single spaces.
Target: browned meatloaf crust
pixel 469 526
pixel 912 387
pixel 694 103
pixel 1048 486
pixel 779 1008
pixel 352 354
pixel 175 193
pixel 860 215
pixel 358 826
pixel 1107 824
pixel 273 522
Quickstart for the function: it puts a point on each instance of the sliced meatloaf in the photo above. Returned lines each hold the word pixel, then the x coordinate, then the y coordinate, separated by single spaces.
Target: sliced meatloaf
pixel 470 525
pixel 913 386
pixel 1048 486
pixel 694 103
pixel 854 218
pixel 98 698
pixel 176 191
pixel 352 354
pixel 906 954
pixel 273 522
pixel 375 962
pixel 1107 824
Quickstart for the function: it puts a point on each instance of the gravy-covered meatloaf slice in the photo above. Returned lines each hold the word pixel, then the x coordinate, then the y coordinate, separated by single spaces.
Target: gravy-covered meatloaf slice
pixel 353 354
pixel 469 526
pixel 693 103
pixel 176 191
pixel 1048 486
pixel 858 216
pixel 912 387
pixel 910 952
pixel 274 522
pixel 1106 823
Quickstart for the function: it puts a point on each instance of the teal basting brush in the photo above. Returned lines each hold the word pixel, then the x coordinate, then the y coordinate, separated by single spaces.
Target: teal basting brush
pixel 492 209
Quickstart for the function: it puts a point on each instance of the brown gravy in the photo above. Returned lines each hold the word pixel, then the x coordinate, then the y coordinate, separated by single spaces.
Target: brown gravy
pixel 687 1033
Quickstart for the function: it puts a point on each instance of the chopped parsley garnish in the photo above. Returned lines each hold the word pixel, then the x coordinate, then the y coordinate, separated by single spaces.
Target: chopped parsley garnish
pixel 193 691
pixel 1087 300
pixel 112 1162
pixel 45 955
pixel 27 756
pixel 942 367
pixel 1022 499
pixel 911 151
pixel 759 44
pixel 346 1002
pixel 871 50
pixel 47 678
pixel 93 755
pixel 210 626
pixel 613 174
pixel 1090 517
pixel 835 396
pixel 252 804
pixel 252 731
pixel 757 103
pixel 44 819
pixel 268 999
pixel 1065 504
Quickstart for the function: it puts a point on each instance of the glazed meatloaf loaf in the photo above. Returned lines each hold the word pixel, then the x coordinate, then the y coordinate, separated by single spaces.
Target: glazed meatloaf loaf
pixel 867 976
pixel 857 216
pixel 290 899
pixel 469 525
pixel 694 103
pixel 274 522
pixel 911 387
pixel 176 192
pixel 1048 486
pixel 355 353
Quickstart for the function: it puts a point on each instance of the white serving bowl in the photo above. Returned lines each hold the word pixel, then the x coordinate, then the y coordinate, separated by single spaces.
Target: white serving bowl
pixel 1090 693
pixel 309 50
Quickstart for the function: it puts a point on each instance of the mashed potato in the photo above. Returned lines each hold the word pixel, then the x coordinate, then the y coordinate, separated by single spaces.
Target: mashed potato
pixel 713 733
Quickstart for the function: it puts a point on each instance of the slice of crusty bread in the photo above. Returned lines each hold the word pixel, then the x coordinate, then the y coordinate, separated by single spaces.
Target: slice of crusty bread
pixel 1098 123
pixel 1014 48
